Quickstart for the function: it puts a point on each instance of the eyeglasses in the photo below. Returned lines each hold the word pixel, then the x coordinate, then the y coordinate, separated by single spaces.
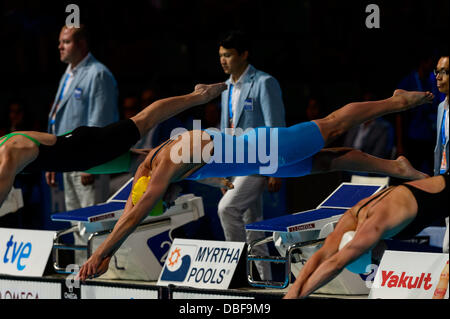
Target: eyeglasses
pixel 441 72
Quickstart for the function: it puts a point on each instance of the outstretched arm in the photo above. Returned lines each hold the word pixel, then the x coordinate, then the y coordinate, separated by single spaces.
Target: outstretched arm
pixel 97 264
pixel 163 109
pixel 349 159
pixel 330 247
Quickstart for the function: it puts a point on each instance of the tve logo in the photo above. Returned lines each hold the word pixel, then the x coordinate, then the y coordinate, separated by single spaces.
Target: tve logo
pixel 201 264
pixel 17 252
pixel 24 252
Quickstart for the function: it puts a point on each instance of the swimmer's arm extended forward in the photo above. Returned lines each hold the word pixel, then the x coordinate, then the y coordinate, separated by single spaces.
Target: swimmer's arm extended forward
pixel 98 263
pixel 365 239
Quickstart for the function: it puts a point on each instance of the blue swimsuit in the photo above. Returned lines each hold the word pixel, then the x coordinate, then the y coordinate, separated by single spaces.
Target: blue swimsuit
pixel 276 152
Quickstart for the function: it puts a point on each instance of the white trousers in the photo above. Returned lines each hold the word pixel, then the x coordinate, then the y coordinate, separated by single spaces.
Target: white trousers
pixel 244 205
pixel 77 195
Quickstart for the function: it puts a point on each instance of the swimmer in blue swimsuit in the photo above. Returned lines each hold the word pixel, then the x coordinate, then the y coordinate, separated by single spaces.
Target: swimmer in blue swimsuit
pixel 210 156
pixel 88 147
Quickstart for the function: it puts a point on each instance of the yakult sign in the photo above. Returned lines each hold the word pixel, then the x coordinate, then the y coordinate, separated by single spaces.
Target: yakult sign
pixel 411 275
pixel 201 264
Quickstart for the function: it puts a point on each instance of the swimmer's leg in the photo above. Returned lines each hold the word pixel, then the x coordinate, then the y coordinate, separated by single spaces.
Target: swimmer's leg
pixel 357 113
pixel 303 140
pixel 163 109
pixel 352 160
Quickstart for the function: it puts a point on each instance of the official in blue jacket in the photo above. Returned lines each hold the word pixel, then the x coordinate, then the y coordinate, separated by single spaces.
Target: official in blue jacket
pixel 253 99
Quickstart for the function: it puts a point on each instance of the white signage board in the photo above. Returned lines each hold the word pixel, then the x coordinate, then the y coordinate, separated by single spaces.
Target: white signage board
pixel 24 252
pixel 102 292
pixel 411 275
pixel 201 264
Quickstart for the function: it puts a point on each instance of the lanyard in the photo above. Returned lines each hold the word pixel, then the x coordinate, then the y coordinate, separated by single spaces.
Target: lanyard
pixel 61 95
pixel 230 102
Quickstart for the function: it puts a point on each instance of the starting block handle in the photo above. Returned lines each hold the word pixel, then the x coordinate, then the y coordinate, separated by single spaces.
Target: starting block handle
pixel 274 259
pixel 58 246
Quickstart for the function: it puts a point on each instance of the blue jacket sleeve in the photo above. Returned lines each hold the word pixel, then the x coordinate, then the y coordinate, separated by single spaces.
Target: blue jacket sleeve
pixel 272 103
pixel 103 103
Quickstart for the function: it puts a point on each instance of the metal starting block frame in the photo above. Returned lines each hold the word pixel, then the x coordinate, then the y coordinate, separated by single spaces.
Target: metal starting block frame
pixel 303 230
pixel 99 220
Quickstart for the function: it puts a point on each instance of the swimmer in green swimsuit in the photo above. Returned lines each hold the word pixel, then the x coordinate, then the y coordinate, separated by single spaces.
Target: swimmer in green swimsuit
pixel 8 136
pixel 40 151
pixel 164 171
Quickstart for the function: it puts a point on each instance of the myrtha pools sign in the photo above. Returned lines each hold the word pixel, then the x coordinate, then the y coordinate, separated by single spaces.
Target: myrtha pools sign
pixel 201 264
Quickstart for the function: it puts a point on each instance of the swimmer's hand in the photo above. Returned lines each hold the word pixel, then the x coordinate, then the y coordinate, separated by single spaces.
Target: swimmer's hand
pixel 95 266
pixel 219 182
pixel 50 177
pixel 209 92
pixel 274 184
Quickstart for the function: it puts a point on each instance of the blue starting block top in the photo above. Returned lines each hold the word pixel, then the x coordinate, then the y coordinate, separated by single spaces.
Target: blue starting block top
pixel 348 195
pixel 295 222
pixel 123 193
pixel 108 210
pixel 343 198
pixel 91 214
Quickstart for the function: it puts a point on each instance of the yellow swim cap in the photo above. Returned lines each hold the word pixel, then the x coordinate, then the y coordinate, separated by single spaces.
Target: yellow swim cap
pixel 139 189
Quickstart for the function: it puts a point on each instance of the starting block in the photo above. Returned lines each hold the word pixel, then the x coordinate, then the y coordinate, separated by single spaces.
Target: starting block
pixel 296 237
pixel 143 253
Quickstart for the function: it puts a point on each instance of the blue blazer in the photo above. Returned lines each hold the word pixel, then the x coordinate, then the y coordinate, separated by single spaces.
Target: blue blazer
pixel 260 102
pixel 91 99
pixel 439 148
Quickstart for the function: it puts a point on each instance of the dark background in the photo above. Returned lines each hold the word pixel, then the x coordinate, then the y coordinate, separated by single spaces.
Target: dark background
pixel 312 47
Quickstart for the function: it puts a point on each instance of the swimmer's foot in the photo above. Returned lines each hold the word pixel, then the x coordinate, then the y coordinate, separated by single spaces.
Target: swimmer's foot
pixel 407 171
pixel 209 91
pixel 409 99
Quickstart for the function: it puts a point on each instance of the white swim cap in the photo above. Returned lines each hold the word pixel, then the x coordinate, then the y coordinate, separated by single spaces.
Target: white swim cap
pixel 360 265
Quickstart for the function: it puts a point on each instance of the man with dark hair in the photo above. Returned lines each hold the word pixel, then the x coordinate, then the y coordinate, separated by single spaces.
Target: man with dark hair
pixel 253 99
pixel 87 96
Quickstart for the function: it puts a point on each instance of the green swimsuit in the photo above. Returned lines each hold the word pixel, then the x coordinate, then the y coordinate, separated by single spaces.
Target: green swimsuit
pixel 8 136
